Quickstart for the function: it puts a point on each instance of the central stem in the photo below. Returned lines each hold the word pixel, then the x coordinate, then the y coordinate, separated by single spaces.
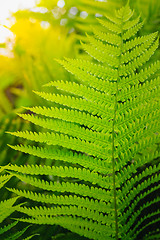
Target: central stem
pixel 113 142
pixel 113 165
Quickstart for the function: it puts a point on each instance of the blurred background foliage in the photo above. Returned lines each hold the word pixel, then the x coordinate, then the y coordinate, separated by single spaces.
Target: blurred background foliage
pixel 49 31
pixel 53 30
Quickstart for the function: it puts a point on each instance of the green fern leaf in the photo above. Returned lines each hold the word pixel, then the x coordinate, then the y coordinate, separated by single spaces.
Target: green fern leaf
pixel 8 227
pixel 6 208
pixel 105 130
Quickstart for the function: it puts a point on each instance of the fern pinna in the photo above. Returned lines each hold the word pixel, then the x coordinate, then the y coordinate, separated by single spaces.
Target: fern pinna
pixel 104 127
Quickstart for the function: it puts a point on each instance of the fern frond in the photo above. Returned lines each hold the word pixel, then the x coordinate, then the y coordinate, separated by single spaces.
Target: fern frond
pixel 143 75
pixel 64 141
pixel 147 88
pixel 138 50
pixel 65 210
pixel 91 79
pixel 81 189
pixel 75 103
pixel 13 236
pixel 106 131
pixel 27 238
pixel 89 162
pixel 6 208
pixel 82 91
pixel 19 234
pixel 132 31
pixel 152 235
pixel 98 70
pixel 8 227
pixel 110 26
pixel 124 13
pixel 83 227
pixel 73 130
pixel 78 173
pixel 93 122
pixel 137 163
pixel 137 41
pixel 143 219
pixel 4 179
pixel 107 37
pixel 104 48
pixel 138 213
pixel 130 24
pixel 139 61
pixel 113 19
pixel 100 56
pixel 74 200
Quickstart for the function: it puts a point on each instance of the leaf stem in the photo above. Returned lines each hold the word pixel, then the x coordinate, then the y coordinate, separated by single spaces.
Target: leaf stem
pixel 113 144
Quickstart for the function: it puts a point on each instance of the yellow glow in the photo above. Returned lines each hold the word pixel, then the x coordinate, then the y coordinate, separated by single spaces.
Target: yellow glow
pixel 7 7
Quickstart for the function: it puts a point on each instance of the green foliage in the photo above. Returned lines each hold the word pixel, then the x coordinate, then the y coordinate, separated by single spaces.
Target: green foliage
pixel 6 209
pixel 80 15
pixel 36 55
pixel 104 130
pixel 31 63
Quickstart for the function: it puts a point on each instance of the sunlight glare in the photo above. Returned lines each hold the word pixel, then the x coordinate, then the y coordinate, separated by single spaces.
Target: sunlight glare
pixel 7 7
